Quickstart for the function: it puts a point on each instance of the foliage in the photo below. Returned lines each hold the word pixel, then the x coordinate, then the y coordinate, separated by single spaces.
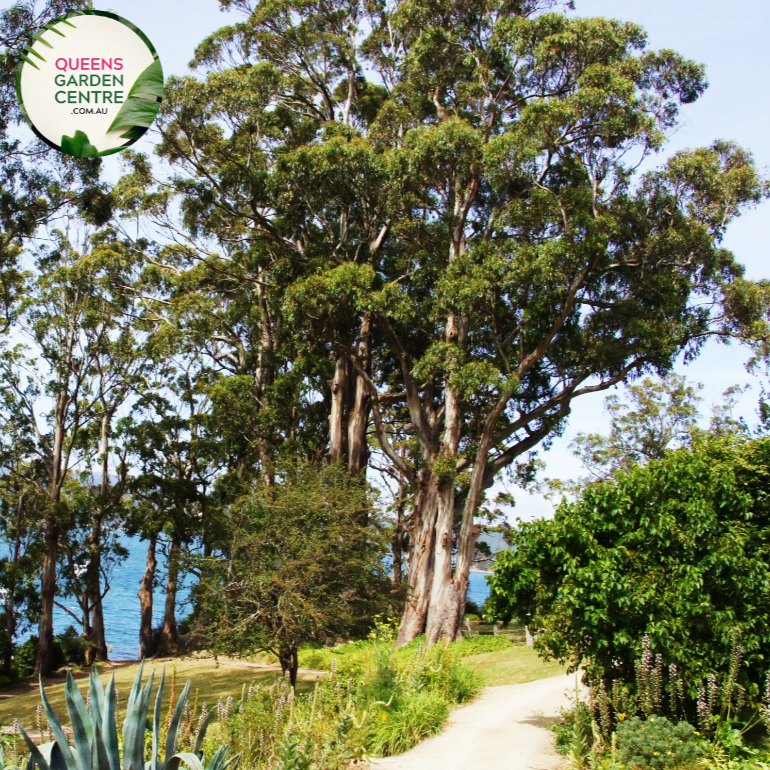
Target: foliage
pixel 432 213
pixel 396 698
pixel 573 729
pixel 660 416
pixel 304 564
pixel 476 645
pixel 95 733
pixel 673 552
pixel 656 743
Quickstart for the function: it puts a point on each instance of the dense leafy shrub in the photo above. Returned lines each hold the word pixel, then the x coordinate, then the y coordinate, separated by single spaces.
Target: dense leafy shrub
pixel 656 743
pixel 675 550
pixel 68 648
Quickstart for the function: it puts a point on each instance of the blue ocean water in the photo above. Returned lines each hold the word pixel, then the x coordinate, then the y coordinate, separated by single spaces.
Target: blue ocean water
pixel 121 605
pixel 478 590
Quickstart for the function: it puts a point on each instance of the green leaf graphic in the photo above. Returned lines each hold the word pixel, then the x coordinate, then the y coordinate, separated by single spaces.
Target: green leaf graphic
pixel 79 146
pixel 135 132
pixel 136 110
pixel 149 82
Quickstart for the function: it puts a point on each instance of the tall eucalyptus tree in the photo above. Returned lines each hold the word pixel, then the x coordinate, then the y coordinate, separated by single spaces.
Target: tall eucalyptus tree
pixel 444 201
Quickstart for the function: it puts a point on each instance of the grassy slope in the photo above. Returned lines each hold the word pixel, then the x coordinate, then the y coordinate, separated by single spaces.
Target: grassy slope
pixel 211 680
pixel 513 666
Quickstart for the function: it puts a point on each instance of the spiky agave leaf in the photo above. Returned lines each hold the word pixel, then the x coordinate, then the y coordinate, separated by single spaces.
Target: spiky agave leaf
pixel 61 738
pixel 82 730
pixel 173 729
pixel 202 732
pixel 136 723
pixel 156 722
pixel 109 726
pixel 35 757
pixel 96 698
pixel 191 760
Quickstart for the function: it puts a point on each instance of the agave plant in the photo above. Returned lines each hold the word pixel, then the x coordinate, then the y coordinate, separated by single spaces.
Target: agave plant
pixel 95 732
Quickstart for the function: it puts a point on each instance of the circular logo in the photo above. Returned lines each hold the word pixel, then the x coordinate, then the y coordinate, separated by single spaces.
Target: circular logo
pixel 89 83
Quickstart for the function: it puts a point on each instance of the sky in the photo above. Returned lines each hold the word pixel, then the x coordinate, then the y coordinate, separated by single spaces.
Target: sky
pixel 729 38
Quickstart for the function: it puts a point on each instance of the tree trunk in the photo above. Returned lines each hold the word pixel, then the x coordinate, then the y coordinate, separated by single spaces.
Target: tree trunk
pixel 95 591
pixel 44 663
pixel 443 611
pixel 421 560
pixel 146 647
pixel 444 606
pixel 168 637
pixel 358 420
pixel 289 664
pixel 338 418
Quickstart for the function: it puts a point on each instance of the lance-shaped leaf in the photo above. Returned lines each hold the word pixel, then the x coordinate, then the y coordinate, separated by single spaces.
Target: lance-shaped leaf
pixel 191 760
pixel 99 758
pixel 202 731
pixel 96 698
pixel 218 760
pixel 176 719
pixel 35 756
pixel 109 727
pixel 53 755
pixel 135 724
pixel 58 733
pixel 156 721
pixel 82 729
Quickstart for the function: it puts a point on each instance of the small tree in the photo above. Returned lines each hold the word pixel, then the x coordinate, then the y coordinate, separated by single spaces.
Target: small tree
pixel 305 564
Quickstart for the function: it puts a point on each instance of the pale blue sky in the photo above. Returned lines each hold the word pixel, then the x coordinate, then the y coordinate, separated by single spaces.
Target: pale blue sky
pixel 731 39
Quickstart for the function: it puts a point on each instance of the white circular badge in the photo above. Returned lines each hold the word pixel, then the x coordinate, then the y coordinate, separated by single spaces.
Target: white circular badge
pixel 89 83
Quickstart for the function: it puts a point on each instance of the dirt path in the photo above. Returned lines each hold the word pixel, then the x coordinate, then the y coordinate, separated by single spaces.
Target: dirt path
pixel 506 728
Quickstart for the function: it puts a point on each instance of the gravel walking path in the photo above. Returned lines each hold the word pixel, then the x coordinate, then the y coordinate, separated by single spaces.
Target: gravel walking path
pixel 506 728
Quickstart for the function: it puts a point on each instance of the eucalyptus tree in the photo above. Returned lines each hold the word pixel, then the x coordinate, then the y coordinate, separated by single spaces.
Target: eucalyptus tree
pixel 64 387
pixel 172 454
pixel 21 505
pixel 271 85
pixel 445 200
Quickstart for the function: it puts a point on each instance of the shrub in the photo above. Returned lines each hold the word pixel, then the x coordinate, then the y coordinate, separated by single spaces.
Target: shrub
pixel 656 743
pixel 674 550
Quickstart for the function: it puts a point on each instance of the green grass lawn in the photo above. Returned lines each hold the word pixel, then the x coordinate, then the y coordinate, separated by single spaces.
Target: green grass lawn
pixel 211 680
pixel 516 665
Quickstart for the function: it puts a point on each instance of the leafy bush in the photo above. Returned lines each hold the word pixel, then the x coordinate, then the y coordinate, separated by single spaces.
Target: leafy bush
pixel 571 727
pixel 675 549
pixel 656 743
pixel 68 647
